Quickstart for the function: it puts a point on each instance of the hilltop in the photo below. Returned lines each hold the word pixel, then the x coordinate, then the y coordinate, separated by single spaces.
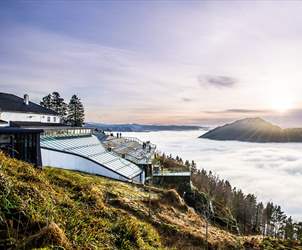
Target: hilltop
pixel 54 208
pixel 254 130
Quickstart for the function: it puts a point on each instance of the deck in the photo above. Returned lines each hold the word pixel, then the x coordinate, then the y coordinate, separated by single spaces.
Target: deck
pixel 132 149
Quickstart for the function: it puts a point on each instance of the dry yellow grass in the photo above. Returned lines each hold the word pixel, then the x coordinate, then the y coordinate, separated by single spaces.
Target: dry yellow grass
pixel 60 208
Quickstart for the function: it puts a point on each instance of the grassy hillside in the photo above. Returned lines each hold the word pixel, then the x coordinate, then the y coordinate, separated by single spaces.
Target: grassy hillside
pixel 54 208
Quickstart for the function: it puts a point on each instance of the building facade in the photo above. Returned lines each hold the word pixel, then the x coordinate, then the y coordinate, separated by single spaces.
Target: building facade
pixel 17 109
pixel 22 144
pixel 20 123
pixel 34 134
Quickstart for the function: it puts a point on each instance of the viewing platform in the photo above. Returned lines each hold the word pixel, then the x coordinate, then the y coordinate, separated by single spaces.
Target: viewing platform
pixel 132 149
pixel 166 176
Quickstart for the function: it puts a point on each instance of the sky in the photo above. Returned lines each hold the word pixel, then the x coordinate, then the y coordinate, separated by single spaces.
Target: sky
pixel 158 62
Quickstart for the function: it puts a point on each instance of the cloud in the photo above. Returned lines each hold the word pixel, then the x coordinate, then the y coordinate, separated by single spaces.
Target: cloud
pixel 119 67
pixel 271 171
pixel 247 111
pixel 217 81
pixel 108 79
pixel 239 111
pixel 186 99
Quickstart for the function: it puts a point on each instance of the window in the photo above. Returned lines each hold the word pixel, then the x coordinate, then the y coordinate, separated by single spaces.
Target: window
pixel 54 119
pixel 48 118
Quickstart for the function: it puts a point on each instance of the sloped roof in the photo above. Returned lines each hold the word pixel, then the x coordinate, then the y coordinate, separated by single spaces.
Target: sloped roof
pixel 13 103
pixel 91 148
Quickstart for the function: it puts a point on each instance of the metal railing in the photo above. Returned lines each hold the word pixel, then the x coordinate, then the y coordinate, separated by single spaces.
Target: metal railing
pixel 144 158
pixel 164 171
pixel 140 141
pixel 65 132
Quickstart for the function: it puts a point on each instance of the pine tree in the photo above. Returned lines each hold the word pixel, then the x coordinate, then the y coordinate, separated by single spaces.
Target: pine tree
pixel 187 163
pixel 258 226
pixel 193 167
pixel 278 218
pixel 59 105
pixel 298 230
pixel 75 112
pixel 56 103
pixel 289 228
pixel 268 212
pixel 47 101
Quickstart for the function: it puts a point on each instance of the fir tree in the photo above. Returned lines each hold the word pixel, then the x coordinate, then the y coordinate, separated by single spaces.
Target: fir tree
pixel 193 167
pixel 59 105
pixel 56 103
pixel 289 229
pixel 75 112
pixel 47 101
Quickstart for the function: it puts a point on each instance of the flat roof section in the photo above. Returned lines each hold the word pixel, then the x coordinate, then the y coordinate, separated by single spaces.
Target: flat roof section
pixel 132 148
pixel 12 130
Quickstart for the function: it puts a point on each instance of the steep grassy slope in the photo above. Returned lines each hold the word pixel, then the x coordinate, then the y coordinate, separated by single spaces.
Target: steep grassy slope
pixel 74 210
pixel 53 208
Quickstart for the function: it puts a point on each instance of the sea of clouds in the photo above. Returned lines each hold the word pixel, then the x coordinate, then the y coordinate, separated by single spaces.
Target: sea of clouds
pixel 272 171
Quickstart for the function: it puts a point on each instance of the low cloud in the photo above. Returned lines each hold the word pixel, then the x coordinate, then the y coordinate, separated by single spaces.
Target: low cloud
pixel 271 171
pixel 217 81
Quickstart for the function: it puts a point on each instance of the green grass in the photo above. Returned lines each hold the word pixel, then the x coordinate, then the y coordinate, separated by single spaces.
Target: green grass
pixel 32 199
pixel 61 209
pixel 278 244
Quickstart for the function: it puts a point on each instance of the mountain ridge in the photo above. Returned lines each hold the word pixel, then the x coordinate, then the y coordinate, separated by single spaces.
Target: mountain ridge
pixel 254 130
pixel 133 127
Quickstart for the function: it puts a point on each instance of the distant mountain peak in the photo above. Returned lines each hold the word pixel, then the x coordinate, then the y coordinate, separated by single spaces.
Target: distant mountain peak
pixel 254 130
pixel 252 120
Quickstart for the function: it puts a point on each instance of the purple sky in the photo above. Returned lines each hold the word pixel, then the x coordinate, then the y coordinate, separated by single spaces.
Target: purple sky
pixel 158 62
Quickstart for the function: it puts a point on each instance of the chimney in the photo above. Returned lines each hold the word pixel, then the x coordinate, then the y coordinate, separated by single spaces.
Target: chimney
pixel 26 99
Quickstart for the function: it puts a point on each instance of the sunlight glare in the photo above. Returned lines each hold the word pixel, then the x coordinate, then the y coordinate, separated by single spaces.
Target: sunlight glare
pixel 281 101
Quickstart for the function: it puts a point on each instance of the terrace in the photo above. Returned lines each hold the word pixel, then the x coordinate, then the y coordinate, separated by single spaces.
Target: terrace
pixel 164 176
pixel 132 149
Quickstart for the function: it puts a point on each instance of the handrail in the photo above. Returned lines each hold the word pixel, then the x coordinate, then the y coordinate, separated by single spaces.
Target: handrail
pixel 135 158
pixel 65 132
pixel 139 141
pixel 166 171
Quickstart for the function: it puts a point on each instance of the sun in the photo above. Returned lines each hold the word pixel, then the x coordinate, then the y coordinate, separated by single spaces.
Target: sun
pixel 282 105
pixel 281 101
